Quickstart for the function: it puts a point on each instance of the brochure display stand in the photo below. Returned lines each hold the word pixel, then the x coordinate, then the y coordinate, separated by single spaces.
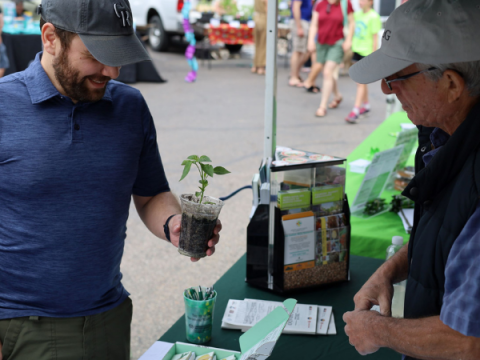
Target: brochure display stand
pixel 307 244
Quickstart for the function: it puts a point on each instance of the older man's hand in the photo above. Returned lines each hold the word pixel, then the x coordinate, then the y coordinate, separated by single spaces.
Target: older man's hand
pixel 359 329
pixel 378 290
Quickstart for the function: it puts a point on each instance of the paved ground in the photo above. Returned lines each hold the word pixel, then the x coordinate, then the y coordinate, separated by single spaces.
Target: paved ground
pixel 222 116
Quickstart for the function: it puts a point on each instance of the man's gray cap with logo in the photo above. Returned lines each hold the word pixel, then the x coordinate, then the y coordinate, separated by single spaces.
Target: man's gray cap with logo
pixel 105 27
pixel 425 32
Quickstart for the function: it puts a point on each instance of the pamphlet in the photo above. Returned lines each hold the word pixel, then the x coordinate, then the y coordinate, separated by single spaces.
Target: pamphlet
pixel 299 237
pixel 305 319
pixel 407 138
pixel 376 178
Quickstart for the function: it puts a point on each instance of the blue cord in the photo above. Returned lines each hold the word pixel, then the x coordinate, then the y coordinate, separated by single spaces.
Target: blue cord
pixel 236 192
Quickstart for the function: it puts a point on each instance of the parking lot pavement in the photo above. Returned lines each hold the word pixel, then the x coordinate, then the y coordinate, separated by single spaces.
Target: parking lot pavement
pixel 222 116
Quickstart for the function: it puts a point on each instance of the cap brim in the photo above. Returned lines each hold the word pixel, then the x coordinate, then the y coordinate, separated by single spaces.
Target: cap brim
pixel 115 50
pixel 376 66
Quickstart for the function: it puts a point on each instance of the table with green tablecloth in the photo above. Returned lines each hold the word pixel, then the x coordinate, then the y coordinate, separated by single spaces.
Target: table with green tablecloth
pixel 372 236
pixel 306 347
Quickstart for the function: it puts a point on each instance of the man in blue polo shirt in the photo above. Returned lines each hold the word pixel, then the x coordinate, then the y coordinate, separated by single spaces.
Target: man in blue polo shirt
pixel 74 148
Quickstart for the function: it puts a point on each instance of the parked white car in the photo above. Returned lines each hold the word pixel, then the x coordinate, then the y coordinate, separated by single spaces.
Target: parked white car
pixel 164 18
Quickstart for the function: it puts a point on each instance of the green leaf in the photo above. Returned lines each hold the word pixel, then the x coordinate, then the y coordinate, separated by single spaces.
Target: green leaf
pixel 220 170
pixel 205 158
pixel 193 157
pixel 185 162
pixel 186 170
pixel 203 182
pixel 208 169
pixel 198 194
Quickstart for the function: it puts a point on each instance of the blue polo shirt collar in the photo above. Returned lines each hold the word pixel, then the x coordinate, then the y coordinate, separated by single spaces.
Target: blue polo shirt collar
pixel 41 88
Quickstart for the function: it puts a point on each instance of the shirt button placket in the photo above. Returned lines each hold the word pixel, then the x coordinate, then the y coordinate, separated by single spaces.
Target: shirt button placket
pixel 76 132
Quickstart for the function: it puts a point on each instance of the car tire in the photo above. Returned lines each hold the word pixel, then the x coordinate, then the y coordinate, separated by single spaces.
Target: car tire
pixel 157 37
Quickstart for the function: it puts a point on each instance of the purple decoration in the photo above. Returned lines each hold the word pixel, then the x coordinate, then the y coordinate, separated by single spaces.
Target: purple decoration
pixel 191 77
pixel 190 52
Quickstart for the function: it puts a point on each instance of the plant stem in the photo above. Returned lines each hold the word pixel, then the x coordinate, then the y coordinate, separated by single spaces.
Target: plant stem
pixel 201 176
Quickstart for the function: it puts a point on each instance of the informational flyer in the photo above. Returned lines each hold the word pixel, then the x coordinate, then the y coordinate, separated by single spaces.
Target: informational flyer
pixel 299 237
pixel 376 178
pixel 408 138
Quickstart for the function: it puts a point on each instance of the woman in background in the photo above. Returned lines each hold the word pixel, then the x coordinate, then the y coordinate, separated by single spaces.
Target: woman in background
pixel 260 37
pixel 327 25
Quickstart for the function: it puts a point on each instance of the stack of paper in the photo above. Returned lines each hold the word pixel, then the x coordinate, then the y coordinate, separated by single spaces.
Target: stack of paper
pixel 305 319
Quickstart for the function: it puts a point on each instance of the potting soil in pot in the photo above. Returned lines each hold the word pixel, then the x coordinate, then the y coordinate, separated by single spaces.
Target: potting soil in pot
pixel 196 232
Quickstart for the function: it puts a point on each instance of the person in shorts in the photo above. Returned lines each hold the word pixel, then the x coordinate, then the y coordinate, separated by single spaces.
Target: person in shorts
pixel 299 25
pixel 365 41
pixel 328 21
pixel 4 63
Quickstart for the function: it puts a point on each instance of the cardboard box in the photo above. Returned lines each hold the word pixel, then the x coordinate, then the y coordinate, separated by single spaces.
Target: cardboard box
pixel 256 343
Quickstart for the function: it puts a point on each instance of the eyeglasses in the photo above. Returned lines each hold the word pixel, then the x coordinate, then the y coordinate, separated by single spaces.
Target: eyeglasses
pixel 328 8
pixel 405 77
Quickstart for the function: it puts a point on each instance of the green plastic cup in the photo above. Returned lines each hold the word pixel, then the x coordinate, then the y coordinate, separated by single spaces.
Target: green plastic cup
pixel 199 319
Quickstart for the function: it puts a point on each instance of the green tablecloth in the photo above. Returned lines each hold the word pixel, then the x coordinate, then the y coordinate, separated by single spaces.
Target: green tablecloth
pixel 372 236
pixel 305 347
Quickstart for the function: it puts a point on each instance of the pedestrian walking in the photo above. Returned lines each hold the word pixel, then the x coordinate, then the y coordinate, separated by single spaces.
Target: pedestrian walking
pixel 364 42
pixel 299 26
pixel 328 21
pixel 260 37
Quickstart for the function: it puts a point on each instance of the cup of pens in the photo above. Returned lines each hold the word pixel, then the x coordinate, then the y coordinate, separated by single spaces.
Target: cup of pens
pixel 199 307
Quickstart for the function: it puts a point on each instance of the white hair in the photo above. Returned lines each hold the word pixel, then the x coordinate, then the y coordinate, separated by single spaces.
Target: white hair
pixel 470 71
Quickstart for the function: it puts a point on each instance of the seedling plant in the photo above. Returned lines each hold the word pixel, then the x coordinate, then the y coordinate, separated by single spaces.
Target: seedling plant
pixel 205 171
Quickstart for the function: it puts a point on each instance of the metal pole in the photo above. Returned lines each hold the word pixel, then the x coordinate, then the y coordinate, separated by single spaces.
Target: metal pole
pixel 270 140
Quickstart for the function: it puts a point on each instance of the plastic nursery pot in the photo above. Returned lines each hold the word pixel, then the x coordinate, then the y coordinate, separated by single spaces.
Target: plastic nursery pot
pixel 198 222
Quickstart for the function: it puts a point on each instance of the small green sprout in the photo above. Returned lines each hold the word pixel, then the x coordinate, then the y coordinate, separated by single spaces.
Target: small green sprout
pixel 205 171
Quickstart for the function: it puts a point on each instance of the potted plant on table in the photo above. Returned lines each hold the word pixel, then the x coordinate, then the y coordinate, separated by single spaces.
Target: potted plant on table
pixel 199 212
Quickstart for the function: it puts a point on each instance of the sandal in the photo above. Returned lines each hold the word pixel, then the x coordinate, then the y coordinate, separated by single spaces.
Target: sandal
pixel 298 82
pixel 261 71
pixel 321 112
pixel 313 89
pixel 335 102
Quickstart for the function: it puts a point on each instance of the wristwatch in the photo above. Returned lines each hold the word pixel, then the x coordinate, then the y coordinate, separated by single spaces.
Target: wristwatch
pixel 166 229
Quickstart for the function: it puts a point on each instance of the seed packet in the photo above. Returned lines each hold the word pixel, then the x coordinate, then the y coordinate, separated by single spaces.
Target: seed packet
pixel 209 356
pixel 190 355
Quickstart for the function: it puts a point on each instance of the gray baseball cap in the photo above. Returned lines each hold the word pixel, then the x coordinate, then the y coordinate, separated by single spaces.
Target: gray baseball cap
pixel 105 27
pixel 425 32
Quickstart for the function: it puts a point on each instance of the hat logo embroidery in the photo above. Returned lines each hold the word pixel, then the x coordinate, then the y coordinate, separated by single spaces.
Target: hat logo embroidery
pixel 122 13
pixel 386 35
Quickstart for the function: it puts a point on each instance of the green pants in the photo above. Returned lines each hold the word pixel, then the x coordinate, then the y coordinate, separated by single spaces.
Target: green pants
pixel 105 336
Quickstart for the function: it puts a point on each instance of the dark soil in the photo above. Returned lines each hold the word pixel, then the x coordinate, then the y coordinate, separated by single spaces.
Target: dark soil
pixel 195 234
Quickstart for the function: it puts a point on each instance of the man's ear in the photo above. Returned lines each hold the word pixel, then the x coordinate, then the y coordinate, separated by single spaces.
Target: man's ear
pixel 455 85
pixel 49 39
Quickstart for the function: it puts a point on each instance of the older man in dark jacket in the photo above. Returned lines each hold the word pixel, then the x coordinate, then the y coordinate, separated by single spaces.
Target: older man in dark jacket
pixel 430 60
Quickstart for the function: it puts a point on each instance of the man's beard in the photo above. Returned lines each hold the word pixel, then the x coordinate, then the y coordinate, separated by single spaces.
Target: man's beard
pixel 74 87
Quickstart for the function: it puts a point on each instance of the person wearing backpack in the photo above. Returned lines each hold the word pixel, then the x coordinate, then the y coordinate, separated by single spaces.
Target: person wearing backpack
pixel 328 22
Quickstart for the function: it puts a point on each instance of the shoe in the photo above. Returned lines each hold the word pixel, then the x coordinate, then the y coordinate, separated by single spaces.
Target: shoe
pixel 352 117
pixel 335 102
pixel 313 89
pixel 363 110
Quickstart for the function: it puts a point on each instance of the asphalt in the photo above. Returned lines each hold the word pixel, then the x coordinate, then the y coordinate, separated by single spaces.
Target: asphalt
pixel 221 115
